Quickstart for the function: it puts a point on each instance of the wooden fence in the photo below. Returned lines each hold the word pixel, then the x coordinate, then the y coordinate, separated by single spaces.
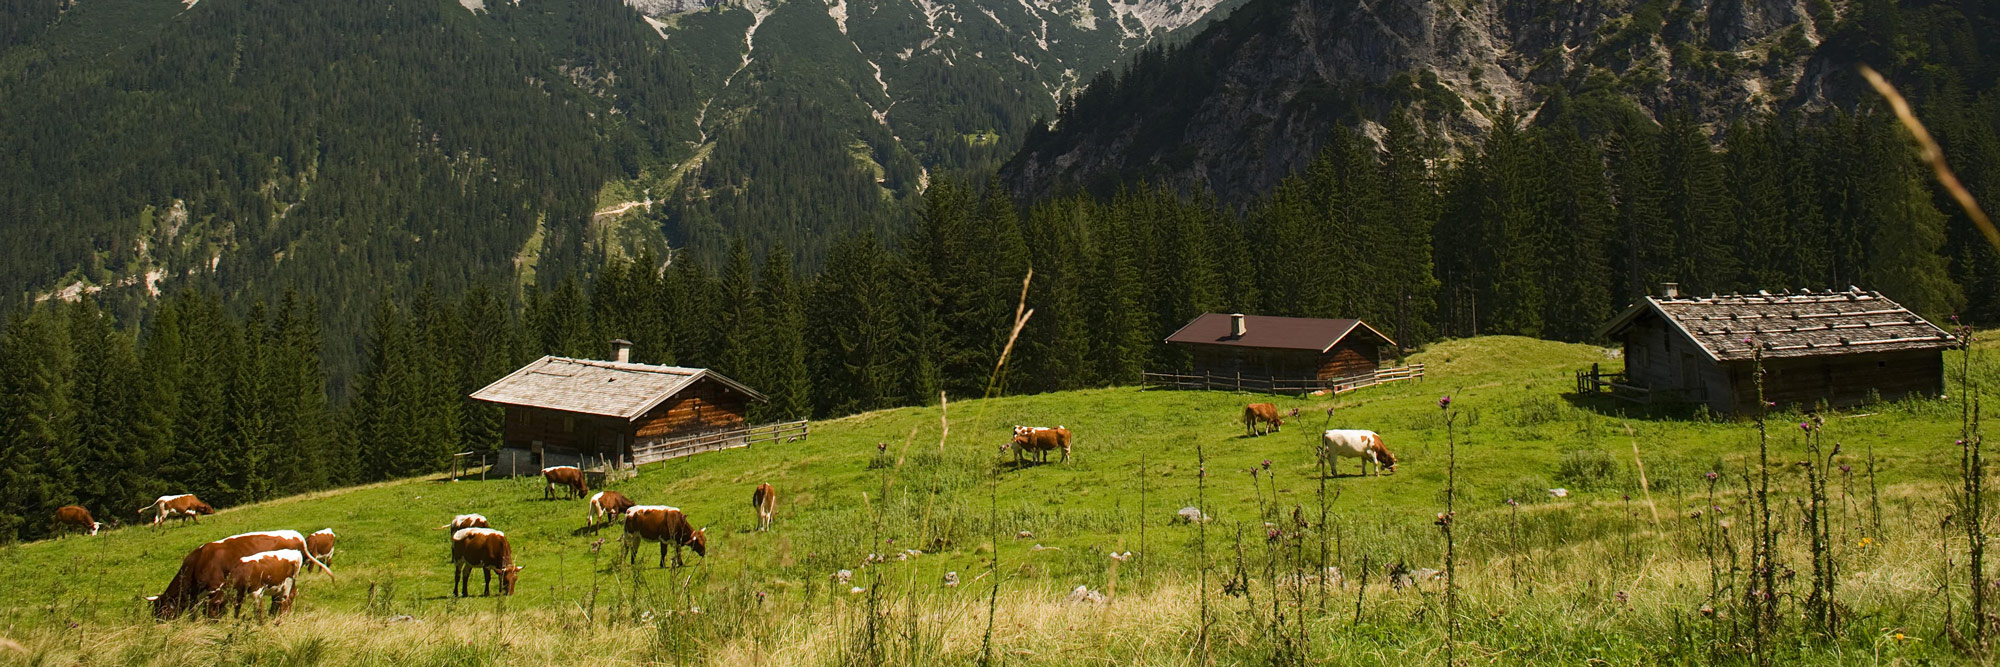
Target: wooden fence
pixel 1621 387
pixel 1277 385
pixel 669 447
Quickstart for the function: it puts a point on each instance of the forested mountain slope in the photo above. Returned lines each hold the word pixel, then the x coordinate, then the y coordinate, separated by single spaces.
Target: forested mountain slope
pixel 352 148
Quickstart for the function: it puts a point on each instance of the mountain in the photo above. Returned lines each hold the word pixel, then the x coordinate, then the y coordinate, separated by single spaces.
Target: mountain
pixel 353 148
pixel 1248 101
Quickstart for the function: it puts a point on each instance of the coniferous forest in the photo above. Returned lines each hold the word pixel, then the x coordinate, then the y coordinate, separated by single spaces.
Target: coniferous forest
pixel 1535 232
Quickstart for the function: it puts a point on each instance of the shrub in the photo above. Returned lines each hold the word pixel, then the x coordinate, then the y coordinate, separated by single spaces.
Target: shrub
pixel 1587 470
pixel 1536 410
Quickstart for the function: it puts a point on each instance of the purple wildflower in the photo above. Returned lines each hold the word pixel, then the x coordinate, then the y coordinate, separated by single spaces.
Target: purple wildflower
pixel 1711 475
pixel 1444 403
pixel 1267 464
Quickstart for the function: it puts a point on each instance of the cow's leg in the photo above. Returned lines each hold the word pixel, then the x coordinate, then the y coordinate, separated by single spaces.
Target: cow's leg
pixel 677 554
pixel 488 589
pixel 663 553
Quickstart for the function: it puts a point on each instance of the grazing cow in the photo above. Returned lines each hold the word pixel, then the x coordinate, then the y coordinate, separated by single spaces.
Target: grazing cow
pixel 666 525
pixel 1355 444
pixel 567 477
pixel 464 521
pixel 75 517
pixel 482 549
pixel 204 571
pixel 608 504
pixel 274 572
pixel 320 544
pixel 184 506
pixel 765 499
pixel 1038 440
pixel 1257 414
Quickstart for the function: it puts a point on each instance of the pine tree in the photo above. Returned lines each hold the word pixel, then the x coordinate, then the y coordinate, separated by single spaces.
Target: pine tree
pixel 37 422
pixel 780 329
pixel 855 313
pixel 1906 232
pixel 1697 209
pixel 737 319
pixel 1411 203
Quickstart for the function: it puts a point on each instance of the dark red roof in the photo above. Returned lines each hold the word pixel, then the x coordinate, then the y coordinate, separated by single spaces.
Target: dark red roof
pixel 1271 332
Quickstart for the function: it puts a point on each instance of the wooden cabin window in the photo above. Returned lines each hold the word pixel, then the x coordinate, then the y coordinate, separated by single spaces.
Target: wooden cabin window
pixel 568 423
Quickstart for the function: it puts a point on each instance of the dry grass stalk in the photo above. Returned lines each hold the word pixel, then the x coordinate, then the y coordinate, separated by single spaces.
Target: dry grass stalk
pixel 1932 155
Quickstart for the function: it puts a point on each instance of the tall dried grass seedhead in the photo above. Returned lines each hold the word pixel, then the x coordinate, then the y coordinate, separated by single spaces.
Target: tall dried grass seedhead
pixel 1933 155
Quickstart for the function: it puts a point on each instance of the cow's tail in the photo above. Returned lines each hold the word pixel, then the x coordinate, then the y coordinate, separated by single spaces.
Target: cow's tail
pixel 322 566
pixel 142 510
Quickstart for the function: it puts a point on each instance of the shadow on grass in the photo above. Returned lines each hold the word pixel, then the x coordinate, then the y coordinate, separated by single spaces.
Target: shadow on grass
pixel 1607 406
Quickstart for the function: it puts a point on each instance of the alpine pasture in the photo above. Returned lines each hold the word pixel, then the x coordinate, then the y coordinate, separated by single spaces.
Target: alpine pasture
pixel 1617 569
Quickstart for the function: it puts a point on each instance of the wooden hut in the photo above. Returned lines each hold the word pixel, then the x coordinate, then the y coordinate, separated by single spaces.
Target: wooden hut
pixel 1282 348
pixel 1843 348
pixel 615 410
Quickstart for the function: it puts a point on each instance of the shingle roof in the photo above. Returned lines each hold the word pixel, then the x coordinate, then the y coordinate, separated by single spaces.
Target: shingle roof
pixel 609 388
pixel 1804 324
pixel 1272 332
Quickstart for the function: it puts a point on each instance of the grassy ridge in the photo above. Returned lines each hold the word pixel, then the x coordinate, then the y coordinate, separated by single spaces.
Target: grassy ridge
pixel 840 500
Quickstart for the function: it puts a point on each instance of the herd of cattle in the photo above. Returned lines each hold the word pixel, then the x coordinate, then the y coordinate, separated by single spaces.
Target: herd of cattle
pixel 269 563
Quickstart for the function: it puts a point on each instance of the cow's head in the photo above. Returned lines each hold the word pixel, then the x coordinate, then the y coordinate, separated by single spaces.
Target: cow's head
pixel 699 542
pixel 508 575
pixel 203 508
pixel 96 526
pixel 1382 456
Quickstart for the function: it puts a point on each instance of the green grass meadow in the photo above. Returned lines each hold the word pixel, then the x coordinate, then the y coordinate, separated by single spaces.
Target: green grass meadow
pixel 1589 577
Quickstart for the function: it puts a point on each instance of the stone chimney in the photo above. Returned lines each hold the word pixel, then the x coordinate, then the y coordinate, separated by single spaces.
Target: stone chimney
pixel 621 351
pixel 1237 327
pixel 1670 290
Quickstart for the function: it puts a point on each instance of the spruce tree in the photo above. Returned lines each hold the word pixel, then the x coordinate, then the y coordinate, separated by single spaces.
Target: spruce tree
pixel 780 330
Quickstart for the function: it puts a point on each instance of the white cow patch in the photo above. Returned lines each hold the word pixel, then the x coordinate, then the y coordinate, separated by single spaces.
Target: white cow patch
pixel 325 531
pixel 641 509
pixel 280 534
pixel 596 497
pixel 469 532
pixel 546 470
pixel 287 555
pixel 168 499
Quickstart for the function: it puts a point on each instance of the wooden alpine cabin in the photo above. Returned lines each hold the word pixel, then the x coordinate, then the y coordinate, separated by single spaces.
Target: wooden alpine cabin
pixel 1282 348
pixel 1843 348
pixel 610 410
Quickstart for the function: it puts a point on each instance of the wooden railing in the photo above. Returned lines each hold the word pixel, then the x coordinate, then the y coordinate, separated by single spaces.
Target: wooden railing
pixel 670 447
pixel 1621 387
pixel 1277 385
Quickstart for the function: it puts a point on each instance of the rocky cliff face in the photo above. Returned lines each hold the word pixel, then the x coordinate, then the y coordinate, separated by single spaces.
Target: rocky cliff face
pixel 1249 99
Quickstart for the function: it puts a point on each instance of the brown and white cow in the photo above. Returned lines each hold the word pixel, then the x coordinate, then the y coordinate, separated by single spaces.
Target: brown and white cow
pixel 75 517
pixel 320 544
pixel 666 525
pixel 1339 444
pixel 182 506
pixel 1257 414
pixel 765 500
pixel 482 549
pixel 204 570
pixel 567 477
pixel 464 521
pixel 1039 441
pixel 273 572
pixel 607 505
